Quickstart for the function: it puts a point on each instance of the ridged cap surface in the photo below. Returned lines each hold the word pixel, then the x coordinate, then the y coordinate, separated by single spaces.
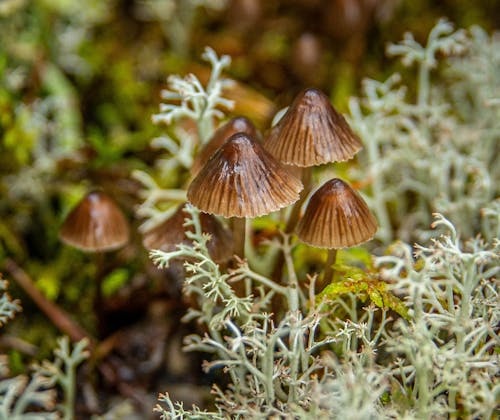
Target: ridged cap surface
pixel 233 126
pixel 95 224
pixel 172 231
pixel 242 180
pixel 336 217
pixel 312 133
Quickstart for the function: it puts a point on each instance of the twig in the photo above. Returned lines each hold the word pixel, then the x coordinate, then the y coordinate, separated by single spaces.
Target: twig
pixel 60 318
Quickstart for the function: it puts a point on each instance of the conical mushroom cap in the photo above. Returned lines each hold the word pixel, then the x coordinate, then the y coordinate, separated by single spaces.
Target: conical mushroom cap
pixel 95 224
pixel 336 217
pixel 242 180
pixel 312 133
pixel 233 126
pixel 172 231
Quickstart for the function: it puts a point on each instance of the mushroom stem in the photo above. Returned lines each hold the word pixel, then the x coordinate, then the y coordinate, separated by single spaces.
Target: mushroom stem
pixel 293 219
pixel 239 227
pixel 329 271
pixel 98 298
pixel 295 213
pixel 60 318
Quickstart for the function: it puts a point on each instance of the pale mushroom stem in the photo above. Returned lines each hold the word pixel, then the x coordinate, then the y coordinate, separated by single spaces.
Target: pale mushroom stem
pixel 295 213
pixel 294 219
pixel 329 271
pixel 239 227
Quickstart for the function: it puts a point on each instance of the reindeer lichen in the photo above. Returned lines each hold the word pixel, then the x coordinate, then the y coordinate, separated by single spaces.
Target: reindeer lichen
pixel 34 396
pixel 194 102
pixel 441 136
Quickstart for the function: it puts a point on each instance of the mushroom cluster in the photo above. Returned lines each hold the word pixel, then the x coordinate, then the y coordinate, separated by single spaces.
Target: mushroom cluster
pixel 236 177
pixel 311 133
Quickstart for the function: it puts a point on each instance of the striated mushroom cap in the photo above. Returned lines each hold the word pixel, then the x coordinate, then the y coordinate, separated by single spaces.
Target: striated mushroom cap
pixel 233 126
pixel 172 231
pixel 242 180
pixel 312 133
pixel 336 217
pixel 95 224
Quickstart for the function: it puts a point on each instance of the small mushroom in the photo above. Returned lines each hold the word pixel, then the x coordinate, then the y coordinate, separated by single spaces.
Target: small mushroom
pixel 336 217
pixel 242 180
pixel 312 133
pixel 172 231
pixel 233 126
pixel 96 225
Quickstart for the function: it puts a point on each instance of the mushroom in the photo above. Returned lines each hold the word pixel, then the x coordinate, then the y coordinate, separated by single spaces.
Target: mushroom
pixel 96 225
pixel 233 126
pixel 172 231
pixel 310 133
pixel 242 180
pixel 336 217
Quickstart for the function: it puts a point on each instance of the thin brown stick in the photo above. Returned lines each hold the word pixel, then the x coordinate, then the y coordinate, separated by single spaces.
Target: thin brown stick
pixel 60 318
pixel 67 325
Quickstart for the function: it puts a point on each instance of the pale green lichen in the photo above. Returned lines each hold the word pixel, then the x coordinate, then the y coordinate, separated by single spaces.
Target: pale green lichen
pixel 8 306
pixel 268 361
pixel 437 153
pixel 187 99
pixel 446 359
pixel 197 102
pixel 63 371
pixel 34 397
pixel 439 362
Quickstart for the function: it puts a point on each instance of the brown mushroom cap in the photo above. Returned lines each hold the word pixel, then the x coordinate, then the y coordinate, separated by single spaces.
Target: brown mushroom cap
pixel 95 224
pixel 312 133
pixel 336 217
pixel 233 126
pixel 172 231
pixel 242 180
